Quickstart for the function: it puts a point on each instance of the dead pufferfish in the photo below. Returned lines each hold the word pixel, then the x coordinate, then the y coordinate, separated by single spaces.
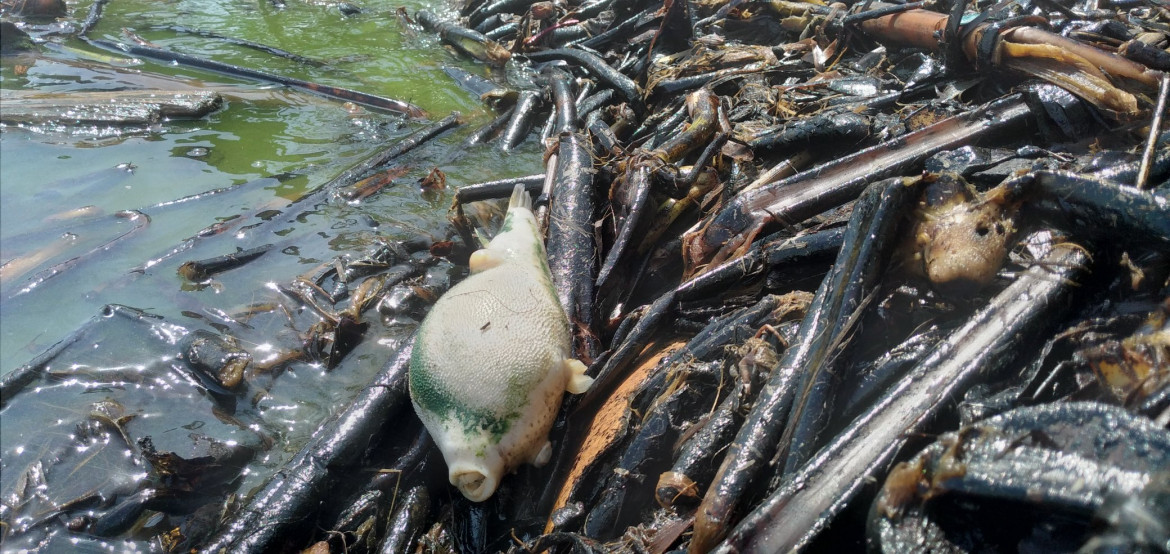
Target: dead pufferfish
pixel 493 358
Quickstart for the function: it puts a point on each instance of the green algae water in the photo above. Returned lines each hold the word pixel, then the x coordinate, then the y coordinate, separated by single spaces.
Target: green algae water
pixel 268 144
pixel 95 222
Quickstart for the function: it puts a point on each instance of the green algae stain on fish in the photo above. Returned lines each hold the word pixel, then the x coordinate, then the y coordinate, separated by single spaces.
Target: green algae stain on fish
pixel 493 359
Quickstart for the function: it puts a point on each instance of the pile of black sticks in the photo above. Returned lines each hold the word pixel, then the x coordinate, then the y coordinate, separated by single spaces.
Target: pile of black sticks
pixel 797 242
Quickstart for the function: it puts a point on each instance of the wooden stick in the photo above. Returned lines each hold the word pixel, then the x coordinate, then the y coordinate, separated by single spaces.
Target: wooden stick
pixel 1155 129
pixel 338 93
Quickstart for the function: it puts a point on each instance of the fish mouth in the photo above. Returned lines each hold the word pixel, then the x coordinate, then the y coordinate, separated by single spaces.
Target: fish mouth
pixel 474 483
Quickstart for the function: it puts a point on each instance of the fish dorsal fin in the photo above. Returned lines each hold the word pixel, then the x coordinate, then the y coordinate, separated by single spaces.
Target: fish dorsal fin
pixel 520 198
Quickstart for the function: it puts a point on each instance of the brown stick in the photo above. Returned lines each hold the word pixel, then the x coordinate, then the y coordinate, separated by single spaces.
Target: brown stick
pixel 1155 129
pixel 796 198
pixel 918 28
pixel 1114 65
pixel 1102 78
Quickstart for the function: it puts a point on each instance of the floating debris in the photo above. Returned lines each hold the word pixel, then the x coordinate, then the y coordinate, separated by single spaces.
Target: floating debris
pixel 201 270
pixel 107 108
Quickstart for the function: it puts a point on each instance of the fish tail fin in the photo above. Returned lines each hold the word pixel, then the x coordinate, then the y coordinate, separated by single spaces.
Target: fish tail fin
pixel 482 238
pixel 520 198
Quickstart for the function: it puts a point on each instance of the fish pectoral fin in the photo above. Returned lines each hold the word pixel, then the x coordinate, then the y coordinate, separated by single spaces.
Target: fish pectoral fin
pixel 578 381
pixel 484 259
pixel 543 456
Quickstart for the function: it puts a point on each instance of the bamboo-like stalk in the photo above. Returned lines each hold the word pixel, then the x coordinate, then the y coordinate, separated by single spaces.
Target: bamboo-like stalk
pixel 1105 79
pixel 802 507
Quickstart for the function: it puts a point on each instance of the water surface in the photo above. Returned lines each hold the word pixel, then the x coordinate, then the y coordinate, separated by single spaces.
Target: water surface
pixel 263 131
pixel 93 216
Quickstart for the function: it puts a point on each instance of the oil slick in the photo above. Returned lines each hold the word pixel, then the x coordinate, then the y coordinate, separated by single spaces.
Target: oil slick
pixel 493 358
